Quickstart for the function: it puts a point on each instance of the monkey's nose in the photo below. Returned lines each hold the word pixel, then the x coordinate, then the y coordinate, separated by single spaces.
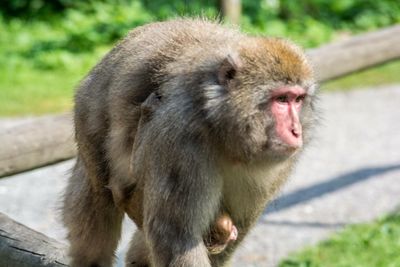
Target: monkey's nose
pixel 296 138
pixel 296 133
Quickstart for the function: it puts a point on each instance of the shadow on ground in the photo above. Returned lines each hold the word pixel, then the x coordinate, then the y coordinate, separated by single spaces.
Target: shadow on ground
pixel 329 186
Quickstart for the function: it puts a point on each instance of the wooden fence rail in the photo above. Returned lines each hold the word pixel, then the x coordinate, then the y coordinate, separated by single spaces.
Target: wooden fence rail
pixel 36 143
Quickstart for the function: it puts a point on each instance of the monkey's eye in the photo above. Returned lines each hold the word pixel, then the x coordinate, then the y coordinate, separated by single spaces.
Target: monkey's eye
pixel 300 98
pixel 282 98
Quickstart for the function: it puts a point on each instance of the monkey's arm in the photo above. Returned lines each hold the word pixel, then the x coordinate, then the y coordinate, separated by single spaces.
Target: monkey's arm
pixel 181 200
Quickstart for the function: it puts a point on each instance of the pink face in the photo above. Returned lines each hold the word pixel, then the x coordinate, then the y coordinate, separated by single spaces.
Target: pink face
pixel 285 107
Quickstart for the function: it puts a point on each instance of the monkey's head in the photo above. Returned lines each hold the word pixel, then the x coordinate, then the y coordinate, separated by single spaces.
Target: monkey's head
pixel 261 105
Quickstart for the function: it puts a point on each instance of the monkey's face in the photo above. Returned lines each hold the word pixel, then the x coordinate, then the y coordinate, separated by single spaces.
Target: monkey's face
pixel 290 108
pixel 285 107
pixel 266 108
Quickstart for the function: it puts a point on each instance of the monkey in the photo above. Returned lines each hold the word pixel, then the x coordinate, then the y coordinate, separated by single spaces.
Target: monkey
pixel 236 112
pixel 221 232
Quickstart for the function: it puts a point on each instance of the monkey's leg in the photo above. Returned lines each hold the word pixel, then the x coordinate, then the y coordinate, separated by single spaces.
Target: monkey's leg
pixel 138 254
pixel 179 205
pixel 92 220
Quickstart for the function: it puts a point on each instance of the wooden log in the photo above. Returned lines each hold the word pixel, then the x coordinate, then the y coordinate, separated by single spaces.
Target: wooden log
pixel 357 53
pixel 21 246
pixel 231 10
pixel 47 140
pixel 36 142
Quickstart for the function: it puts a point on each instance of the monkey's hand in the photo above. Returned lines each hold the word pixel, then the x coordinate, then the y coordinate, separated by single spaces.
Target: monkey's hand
pixel 222 233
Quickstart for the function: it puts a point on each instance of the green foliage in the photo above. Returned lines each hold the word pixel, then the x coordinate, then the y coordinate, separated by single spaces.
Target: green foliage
pixel 365 245
pixel 165 9
pixel 312 22
pixel 100 24
pixel 55 43
pixel 51 29
pixel 29 8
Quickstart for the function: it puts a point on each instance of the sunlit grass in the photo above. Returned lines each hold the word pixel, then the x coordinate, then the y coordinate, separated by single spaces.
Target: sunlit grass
pixel 376 244
pixel 388 73
pixel 27 90
pixel 32 92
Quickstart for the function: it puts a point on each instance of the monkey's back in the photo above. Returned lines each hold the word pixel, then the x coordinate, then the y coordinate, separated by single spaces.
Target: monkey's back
pixel 107 102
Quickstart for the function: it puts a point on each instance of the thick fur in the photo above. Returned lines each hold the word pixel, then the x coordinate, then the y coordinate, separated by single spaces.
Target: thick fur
pixel 209 147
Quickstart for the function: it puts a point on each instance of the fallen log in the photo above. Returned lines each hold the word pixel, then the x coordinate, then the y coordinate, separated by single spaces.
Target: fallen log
pixel 21 246
pixel 47 140
pixel 36 142
pixel 357 53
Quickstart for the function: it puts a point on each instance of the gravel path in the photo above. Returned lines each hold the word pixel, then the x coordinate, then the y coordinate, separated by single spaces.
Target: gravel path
pixel 351 174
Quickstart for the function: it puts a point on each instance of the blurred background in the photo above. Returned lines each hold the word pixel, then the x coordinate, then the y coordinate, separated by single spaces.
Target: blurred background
pixel 47 46
pixel 347 184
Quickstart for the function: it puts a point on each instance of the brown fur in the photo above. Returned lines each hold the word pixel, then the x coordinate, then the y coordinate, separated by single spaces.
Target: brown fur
pixel 209 147
pixel 131 198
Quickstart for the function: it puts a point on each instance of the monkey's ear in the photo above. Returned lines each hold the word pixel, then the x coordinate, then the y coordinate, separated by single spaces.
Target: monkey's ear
pixel 228 68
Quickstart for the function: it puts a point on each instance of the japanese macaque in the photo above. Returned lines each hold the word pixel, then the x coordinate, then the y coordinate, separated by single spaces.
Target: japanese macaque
pixel 221 232
pixel 229 115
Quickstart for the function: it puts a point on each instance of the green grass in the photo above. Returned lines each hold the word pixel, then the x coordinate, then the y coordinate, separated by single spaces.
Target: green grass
pixel 388 73
pixel 366 245
pixel 29 90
